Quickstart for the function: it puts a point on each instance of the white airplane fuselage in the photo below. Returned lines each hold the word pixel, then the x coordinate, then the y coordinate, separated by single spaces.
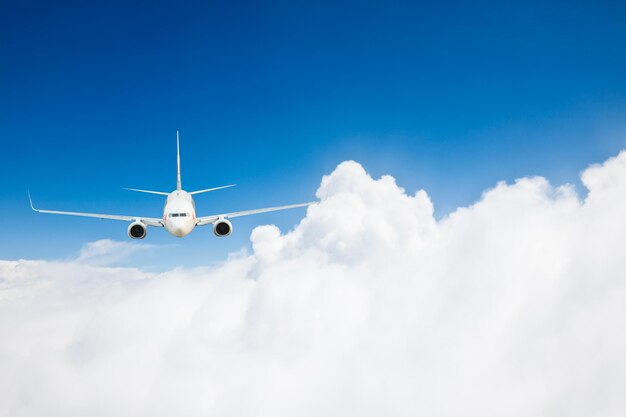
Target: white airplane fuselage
pixel 179 213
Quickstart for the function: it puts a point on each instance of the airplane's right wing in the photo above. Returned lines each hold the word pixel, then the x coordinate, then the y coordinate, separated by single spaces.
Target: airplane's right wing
pixel 201 221
pixel 150 221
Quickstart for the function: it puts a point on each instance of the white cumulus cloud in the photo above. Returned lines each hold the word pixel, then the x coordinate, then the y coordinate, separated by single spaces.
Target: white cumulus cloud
pixel 515 305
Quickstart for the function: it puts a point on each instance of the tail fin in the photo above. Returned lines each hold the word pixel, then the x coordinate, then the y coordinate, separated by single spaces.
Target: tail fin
pixel 178 181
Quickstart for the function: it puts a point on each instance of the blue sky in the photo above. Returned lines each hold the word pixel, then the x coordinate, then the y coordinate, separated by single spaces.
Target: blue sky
pixel 450 97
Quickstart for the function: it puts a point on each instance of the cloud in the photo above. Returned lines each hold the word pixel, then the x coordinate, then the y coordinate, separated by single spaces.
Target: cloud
pixel 514 306
pixel 107 252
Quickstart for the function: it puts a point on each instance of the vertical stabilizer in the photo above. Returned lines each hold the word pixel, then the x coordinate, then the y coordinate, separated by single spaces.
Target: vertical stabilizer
pixel 178 182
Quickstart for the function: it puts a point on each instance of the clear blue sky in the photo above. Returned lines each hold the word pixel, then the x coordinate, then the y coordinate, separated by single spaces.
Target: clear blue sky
pixel 449 97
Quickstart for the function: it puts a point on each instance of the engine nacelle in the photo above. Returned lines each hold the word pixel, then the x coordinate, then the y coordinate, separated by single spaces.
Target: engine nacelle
pixel 222 228
pixel 137 230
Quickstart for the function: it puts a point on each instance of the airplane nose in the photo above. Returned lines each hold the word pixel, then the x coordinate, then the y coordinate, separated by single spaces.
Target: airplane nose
pixel 178 228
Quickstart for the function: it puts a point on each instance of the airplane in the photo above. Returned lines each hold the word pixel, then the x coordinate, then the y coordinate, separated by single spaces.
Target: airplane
pixel 179 214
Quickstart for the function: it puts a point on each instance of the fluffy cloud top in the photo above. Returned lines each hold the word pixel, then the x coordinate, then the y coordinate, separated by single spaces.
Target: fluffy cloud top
pixel 513 306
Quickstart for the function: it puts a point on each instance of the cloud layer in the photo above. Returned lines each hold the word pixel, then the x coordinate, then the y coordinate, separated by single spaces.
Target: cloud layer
pixel 514 306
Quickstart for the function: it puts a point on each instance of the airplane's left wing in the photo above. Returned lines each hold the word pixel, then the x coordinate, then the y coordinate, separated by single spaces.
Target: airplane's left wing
pixel 150 221
pixel 212 219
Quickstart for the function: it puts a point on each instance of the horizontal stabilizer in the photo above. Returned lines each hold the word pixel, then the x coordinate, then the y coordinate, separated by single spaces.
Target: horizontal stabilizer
pixel 211 189
pixel 147 191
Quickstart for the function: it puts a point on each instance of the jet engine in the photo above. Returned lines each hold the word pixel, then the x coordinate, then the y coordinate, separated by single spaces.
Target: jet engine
pixel 222 228
pixel 137 230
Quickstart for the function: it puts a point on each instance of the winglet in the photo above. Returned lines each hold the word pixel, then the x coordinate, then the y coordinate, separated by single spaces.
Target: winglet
pixel 178 181
pixel 31 202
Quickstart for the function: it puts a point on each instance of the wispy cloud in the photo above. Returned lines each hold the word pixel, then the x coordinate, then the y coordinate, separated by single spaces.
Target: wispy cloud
pixel 106 252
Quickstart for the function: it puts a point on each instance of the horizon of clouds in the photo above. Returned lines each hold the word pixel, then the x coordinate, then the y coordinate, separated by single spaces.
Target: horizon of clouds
pixel 513 305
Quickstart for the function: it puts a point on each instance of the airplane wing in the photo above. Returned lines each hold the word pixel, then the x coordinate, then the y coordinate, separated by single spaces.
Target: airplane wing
pixel 150 221
pixel 201 221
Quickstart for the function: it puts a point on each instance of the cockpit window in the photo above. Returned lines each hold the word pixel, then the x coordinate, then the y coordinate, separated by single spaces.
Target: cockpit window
pixel 179 214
